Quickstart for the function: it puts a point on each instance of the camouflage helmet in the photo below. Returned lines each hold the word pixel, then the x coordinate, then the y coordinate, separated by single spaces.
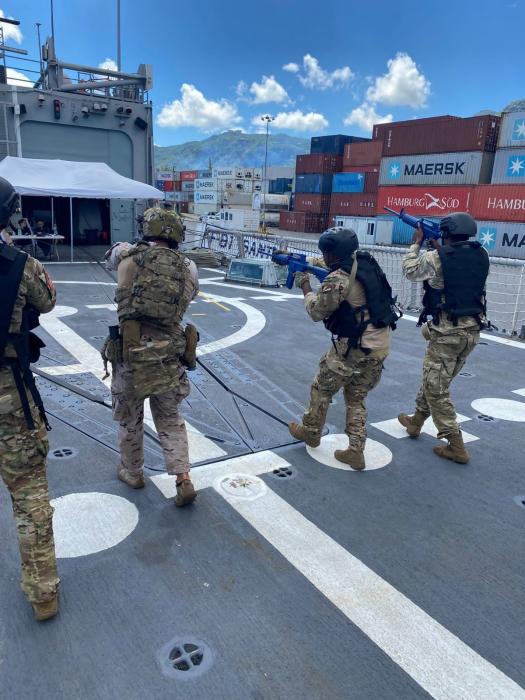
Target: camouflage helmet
pixel 163 223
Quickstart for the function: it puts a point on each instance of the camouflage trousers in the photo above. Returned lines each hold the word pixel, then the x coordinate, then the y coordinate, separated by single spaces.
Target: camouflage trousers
pixel 356 375
pixel 128 410
pixel 23 455
pixel 445 356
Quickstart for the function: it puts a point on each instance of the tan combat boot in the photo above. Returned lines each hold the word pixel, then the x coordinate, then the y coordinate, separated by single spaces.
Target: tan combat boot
pixel 46 610
pixel 135 481
pixel 455 450
pixel 299 432
pixel 354 458
pixel 185 493
pixel 413 424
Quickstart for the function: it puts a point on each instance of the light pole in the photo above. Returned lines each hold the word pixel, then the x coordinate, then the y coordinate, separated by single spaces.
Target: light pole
pixel 267 118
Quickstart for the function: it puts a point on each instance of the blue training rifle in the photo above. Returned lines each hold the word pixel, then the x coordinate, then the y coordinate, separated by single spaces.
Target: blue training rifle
pixel 296 262
pixel 430 229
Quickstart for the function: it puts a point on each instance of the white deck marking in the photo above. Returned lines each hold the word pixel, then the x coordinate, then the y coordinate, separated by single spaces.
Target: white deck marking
pixel 377 455
pixel 62 370
pixel 98 284
pixel 86 523
pixel 435 658
pixel 520 392
pixel 255 323
pixel 247 289
pixel 503 409
pixel 485 336
pixel 394 428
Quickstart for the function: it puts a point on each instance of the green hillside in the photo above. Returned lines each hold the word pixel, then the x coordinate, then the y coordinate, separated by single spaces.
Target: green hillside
pixel 231 148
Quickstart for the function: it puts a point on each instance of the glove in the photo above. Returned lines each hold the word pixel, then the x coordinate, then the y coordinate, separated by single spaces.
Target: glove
pixel 300 278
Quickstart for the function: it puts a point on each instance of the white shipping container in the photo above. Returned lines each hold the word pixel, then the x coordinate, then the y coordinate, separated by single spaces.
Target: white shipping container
pixel 240 173
pixel 224 173
pixel 164 175
pixel 501 239
pixel 273 202
pixel 237 198
pixel 206 185
pixel 176 196
pixel 460 168
pixel 236 220
pixel 509 166
pixel 203 197
pixel 203 209
pixel 512 130
pixel 257 173
pixel 187 185
pixel 369 230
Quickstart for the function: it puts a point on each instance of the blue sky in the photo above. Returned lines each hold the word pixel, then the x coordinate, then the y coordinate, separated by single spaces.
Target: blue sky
pixel 318 67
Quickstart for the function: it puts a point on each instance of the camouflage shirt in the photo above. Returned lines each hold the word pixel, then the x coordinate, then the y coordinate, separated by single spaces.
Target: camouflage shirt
pixel 427 266
pixel 336 288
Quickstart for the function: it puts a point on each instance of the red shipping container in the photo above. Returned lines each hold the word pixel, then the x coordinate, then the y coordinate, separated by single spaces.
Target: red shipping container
pixel 315 203
pixel 168 185
pixel 431 200
pixel 361 169
pixel 183 207
pixel 363 153
pixel 421 136
pixel 321 163
pixel 188 174
pixel 499 203
pixel 355 204
pixel 176 186
pixel 379 130
pixel 371 183
pixel 303 221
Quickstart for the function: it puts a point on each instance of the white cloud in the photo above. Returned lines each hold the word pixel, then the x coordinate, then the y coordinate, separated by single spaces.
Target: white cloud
pixel 268 90
pixel 241 88
pixel 193 109
pixel 108 64
pixel 15 77
pixel 11 31
pixel 313 76
pixel 365 117
pixel 296 121
pixel 402 85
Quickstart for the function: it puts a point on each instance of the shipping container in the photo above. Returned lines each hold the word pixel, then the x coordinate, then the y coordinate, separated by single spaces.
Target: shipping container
pixel 426 201
pixel 402 233
pixel 315 203
pixel 379 130
pixel 176 185
pixel 360 169
pixel 502 238
pixel 206 184
pixel 302 221
pixel 466 168
pixel 275 171
pixel 282 185
pixel 238 199
pixel 177 196
pixel 512 130
pixel 183 207
pixel 160 185
pixel 332 144
pixel 236 220
pixel 191 208
pixel 243 186
pixel 203 174
pixel 318 163
pixel 371 182
pixel 363 153
pixel 164 175
pixel 257 173
pixel 168 186
pixel 454 135
pixel 272 202
pixel 370 231
pixel 225 173
pixel 509 166
pixel 360 204
pixel 313 184
pixel 499 203
pixel 348 182
pixel 205 198
pixel 187 185
pixel 203 209
pixel 188 174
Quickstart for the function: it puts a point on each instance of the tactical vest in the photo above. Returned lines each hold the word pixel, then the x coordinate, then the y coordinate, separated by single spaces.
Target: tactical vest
pixel 156 295
pixel 348 321
pixel 26 344
pixel 465 269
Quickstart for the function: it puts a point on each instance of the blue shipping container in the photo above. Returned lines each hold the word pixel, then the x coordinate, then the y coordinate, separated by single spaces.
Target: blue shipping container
pixel 332 144
pixel 402 233
pixel 313 184
pixel 348 182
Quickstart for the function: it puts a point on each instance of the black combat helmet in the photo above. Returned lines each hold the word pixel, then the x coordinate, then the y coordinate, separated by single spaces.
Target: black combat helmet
pixel 8 200
pixel 459 224
pixel 340 241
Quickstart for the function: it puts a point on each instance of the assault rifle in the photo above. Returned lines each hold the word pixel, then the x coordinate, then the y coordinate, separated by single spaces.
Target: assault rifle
pixel 430 229
pixel 296 262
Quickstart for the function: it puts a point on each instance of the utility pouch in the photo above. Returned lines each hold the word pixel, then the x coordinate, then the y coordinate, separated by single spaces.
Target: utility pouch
pixel 189 358
pixel 155 371
pixel 112 349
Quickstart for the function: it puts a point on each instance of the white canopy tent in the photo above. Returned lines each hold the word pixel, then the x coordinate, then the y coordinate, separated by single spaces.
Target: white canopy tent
pixel 66 178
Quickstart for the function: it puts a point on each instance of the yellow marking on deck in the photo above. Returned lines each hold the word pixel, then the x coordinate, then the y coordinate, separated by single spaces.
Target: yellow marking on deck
pixel 217 303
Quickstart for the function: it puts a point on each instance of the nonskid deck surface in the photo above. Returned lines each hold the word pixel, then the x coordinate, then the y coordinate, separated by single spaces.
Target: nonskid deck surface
pixel 288 577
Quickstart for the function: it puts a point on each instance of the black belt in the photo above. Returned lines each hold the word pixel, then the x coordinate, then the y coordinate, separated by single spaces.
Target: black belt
pixel 24 378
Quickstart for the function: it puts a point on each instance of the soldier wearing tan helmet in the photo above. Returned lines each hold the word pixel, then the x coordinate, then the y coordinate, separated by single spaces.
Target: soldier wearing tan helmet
pixel 148 353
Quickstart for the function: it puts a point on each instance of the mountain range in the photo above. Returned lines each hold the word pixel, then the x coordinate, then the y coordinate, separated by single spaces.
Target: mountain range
pixel 231 148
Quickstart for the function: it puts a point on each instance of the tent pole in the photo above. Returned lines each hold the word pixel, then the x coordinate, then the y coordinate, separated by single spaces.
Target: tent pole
pixel 71 224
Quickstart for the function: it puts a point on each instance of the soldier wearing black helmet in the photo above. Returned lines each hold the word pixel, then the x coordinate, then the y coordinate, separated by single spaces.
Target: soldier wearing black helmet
pixel 355 303
pixel 454 277
pixel 26 291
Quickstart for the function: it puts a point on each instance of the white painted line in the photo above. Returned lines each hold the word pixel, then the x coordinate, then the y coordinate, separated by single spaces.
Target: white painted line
pixel 247 289
pixel 97 284
pixel 207 475
pixel 435 658
pixel 485 336
pixel 86 523
pixel 377 455
pixel 61 370
pixel 503 409
pixel 520 392
pixel 394 428
pixel 255 323
pixel 110 307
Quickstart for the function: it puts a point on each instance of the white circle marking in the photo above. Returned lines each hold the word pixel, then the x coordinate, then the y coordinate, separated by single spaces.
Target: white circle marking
pixel 504 409
pixel 86 523
pixel 377 455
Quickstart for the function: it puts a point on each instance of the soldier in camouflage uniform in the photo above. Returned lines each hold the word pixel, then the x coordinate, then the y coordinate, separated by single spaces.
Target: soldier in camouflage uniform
pixel 454 277
pixel 356 370
pixel 23 437
pixel 155 286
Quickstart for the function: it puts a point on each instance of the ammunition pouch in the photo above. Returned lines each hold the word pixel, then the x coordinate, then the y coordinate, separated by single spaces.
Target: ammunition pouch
pixel 130 332
pixel 189 358
pixel 156 369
